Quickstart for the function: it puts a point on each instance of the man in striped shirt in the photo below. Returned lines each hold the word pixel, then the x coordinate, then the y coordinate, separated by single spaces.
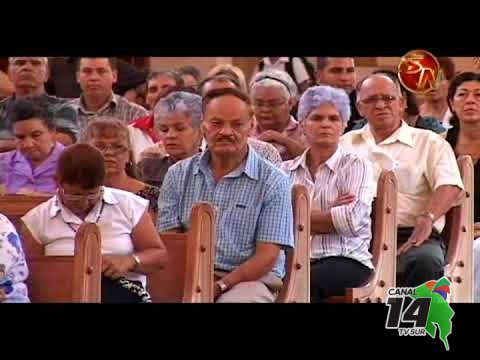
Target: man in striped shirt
pixel 341 189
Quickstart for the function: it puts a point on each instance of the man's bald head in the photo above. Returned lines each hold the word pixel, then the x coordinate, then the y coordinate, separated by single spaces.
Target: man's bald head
pixel 380 101
pixel 376 79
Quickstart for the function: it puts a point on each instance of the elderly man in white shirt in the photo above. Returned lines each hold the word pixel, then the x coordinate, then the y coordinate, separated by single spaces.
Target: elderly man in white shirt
pixel 341 189
pixel 429 181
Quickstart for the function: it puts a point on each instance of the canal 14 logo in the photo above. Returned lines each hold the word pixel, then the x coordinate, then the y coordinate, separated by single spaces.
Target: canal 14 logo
pixel 422 310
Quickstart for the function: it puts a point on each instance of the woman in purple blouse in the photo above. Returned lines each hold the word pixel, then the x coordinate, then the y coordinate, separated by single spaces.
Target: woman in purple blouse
pixel 30 169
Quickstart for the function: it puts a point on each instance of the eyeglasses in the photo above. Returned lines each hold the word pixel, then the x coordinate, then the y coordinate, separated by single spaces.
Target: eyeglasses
pixel 74 198
pixel 116 149
pixel 387 99
pixel 269 104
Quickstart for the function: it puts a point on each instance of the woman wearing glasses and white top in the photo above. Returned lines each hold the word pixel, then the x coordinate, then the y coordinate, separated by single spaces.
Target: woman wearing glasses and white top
pixel 131 246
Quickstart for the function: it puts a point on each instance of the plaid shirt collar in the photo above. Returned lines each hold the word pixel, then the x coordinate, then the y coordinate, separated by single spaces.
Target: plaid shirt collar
pixel 249 167
pixel 113 102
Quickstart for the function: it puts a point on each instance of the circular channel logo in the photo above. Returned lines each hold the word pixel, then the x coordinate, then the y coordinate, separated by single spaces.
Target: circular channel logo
pixel 419 71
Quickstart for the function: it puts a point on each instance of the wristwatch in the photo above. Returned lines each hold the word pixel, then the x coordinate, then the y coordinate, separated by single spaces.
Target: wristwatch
pixel 137 260
pixel 223 287
pixel 429 215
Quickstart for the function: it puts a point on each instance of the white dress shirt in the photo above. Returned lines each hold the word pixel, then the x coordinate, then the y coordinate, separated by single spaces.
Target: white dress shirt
pixel 421 160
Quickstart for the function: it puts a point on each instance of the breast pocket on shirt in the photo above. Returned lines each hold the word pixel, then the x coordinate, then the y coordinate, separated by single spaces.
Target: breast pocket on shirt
pixel 239 218
pixel 409 177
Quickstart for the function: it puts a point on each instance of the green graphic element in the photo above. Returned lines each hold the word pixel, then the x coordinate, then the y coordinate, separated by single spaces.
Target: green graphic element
pixel 440 313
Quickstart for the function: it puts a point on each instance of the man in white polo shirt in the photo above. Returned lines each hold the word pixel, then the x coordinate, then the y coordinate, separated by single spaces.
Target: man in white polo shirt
pixel 429 181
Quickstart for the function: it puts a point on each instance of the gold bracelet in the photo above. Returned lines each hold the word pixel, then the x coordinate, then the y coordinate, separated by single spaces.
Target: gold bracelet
pixel 429 215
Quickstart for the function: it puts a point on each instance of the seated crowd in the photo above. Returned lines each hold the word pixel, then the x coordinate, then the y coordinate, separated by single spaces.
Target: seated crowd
pixel 240 146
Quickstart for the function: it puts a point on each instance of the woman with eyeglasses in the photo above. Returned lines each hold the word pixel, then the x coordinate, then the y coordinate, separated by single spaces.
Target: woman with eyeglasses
pixel 464 136
pixel 274 94
pixel 131 246
pixel 177 120
pixel 110 136
pixel 31 167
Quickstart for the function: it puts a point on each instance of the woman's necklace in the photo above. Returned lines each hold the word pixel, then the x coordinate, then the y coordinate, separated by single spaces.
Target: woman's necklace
pixel 70 225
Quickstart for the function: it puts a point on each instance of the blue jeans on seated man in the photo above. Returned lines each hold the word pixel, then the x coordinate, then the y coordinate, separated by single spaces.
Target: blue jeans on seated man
pixel 420 264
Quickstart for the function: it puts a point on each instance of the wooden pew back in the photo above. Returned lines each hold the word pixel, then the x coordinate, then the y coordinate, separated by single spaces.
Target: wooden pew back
pixel 57 278
pixel 189 274
pixel 384 244
pixel 296 286
pixel 15 206
pixel 65 278
pixel 459 235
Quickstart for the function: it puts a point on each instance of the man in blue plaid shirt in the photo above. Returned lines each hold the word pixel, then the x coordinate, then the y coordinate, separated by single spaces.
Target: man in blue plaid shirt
pixel 252 196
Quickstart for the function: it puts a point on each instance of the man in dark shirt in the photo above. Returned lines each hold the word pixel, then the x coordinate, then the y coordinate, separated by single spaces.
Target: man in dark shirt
pixel 63 82
pixel 29 75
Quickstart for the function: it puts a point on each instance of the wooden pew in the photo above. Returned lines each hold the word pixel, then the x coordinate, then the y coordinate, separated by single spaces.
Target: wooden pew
pixel 383 247
pixel 186 278
pixel 57 278
pixel 65 278
pixel 296 286
pixel 15 206
pixel 189 274
pixel 459 236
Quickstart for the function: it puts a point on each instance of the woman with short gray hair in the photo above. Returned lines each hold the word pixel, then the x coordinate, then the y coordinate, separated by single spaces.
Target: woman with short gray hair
pixel 177 120
pixel 341 188
pixel 274 94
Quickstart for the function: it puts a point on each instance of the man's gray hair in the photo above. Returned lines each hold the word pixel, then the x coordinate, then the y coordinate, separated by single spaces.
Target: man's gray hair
pixel 180 102
pixel 275 78
pixel 43 59
pixel 316 96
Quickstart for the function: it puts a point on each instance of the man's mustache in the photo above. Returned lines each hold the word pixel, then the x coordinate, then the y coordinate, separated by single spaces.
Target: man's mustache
pixel 227 139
